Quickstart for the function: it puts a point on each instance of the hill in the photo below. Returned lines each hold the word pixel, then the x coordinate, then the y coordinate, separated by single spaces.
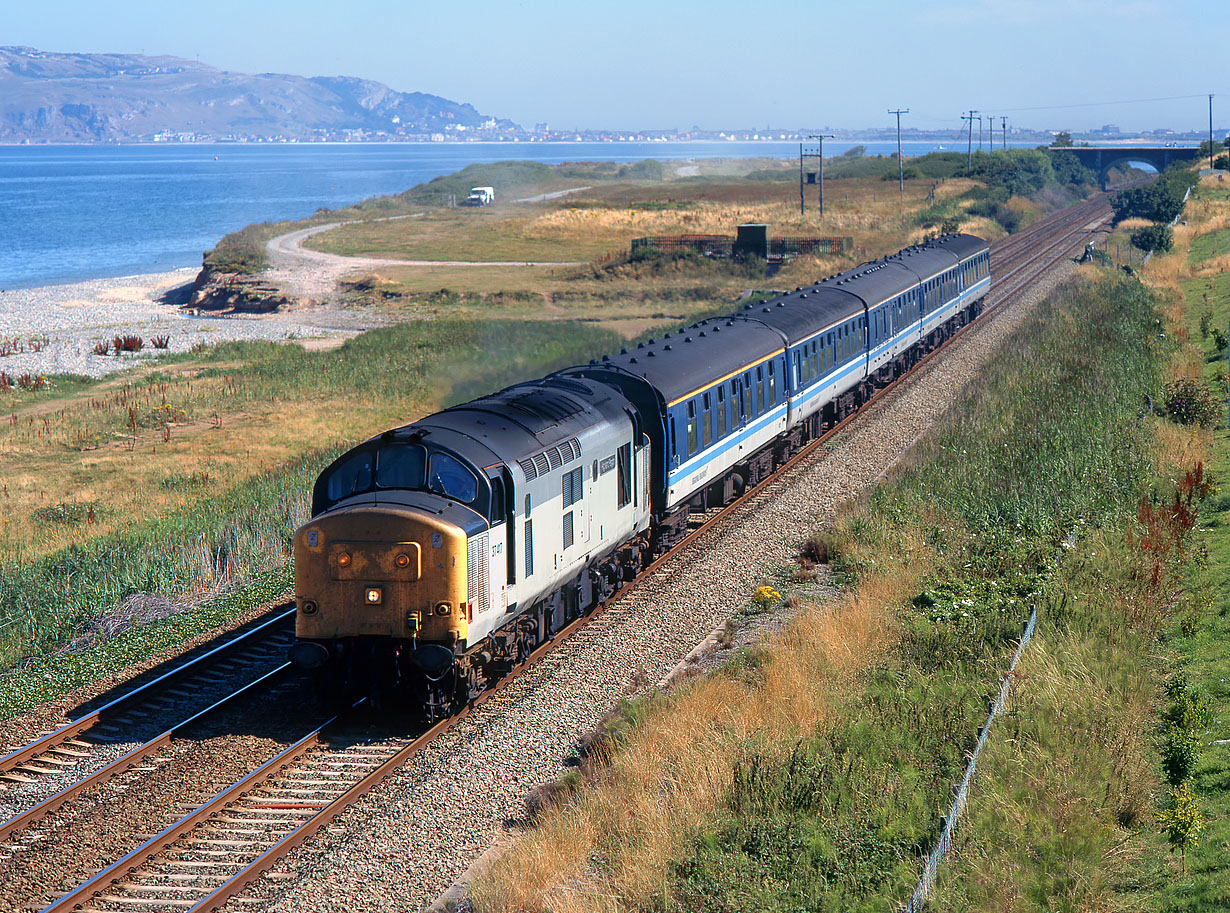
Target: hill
pixel 51 97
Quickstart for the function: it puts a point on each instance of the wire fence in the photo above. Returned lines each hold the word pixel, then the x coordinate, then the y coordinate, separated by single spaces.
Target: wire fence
pixel 926 884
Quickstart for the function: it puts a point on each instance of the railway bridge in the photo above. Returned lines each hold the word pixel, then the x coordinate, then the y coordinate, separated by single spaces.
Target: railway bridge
pixel 1103 158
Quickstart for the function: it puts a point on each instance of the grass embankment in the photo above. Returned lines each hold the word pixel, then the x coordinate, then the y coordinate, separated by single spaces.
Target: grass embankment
pixel 812 772
pixel 1087 784
pixel 193 478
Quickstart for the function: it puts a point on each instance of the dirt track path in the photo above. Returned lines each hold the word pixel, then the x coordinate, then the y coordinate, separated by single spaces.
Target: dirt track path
pixel 313 275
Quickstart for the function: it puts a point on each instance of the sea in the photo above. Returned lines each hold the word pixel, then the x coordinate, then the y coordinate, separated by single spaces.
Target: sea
pixel 73 213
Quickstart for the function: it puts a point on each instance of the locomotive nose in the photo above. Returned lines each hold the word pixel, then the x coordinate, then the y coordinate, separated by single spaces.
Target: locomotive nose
pixel 380 572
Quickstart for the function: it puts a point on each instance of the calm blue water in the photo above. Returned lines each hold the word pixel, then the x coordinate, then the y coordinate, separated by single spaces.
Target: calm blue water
pixel 69 213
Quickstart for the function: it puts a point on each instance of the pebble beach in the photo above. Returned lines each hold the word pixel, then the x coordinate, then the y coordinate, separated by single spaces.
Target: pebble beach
pixel 53 329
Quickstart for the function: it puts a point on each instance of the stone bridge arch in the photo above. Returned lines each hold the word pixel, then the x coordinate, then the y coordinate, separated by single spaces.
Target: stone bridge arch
pixel 1102 158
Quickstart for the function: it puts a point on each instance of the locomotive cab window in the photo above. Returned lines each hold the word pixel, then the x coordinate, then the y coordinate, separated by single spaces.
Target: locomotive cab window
pixel 448 476
pixel 401 466
pixel 352 477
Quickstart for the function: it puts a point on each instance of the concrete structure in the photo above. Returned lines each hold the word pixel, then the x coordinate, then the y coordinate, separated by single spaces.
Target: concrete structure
pixel 1103 158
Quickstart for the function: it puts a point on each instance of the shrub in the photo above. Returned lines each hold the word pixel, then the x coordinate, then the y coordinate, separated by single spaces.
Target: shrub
pixel 1153 238
pixel 1190 402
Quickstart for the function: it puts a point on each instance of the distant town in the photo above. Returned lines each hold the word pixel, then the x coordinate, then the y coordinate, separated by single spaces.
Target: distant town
pixel 504 132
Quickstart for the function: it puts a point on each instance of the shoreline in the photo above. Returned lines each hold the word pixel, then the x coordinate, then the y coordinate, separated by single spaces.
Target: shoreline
pixel 53 329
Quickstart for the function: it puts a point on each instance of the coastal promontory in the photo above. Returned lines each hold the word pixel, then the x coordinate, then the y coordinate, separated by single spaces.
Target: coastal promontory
pixel 91 98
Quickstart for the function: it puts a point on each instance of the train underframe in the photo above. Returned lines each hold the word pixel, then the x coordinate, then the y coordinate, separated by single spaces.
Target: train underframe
pixel 440 681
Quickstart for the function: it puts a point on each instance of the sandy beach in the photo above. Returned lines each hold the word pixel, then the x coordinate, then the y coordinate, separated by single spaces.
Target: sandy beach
pixel 77 316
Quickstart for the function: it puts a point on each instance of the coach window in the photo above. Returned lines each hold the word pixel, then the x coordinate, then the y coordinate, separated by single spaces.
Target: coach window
pixel 707 418
pixel 691 427
pixel 772 386
pixel 721 412
pixel 815 358
pixel 804 367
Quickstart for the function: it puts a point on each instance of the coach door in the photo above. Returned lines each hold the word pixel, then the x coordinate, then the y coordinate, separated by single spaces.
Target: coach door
pixel 738 406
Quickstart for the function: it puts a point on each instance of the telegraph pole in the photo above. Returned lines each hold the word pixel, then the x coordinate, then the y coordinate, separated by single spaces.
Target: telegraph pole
pixel 979 132
pixel 1210 131
pixel 821 137
pixel 901 170
pixel 969 145
pixel 1003 122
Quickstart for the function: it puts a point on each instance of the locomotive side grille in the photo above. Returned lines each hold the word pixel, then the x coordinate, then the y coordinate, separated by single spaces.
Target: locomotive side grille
pixel 554 458
pixel 528 467
pixel 479 573
pixel 541 462
pixel 568 531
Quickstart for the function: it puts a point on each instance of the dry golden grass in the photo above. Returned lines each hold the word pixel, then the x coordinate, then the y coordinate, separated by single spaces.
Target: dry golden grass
pixel 44 462
pixel 667 780
pixel 1179 447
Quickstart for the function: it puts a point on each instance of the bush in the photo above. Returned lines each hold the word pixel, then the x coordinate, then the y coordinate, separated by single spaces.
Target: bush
pixel 1153 238
pixel 1190 402
pixel 1160 201
pixel 1222 162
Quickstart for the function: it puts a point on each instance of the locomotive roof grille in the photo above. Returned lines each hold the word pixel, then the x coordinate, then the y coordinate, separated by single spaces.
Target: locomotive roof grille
pixel 552 458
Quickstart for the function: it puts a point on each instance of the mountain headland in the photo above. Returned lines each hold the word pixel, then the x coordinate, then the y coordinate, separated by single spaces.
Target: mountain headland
pixel 74 98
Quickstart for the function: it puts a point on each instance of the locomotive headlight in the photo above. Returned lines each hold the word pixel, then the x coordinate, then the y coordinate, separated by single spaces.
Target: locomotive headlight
pixel 443 608
pixel 309 607
pixel 373 595
pixel 343 560
pixel 402 560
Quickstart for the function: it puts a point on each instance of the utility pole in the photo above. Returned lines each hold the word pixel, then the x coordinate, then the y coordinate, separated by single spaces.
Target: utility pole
pixel 1210 131
pixel 990 133
pixel 1004 123
pixel 979 132
pixel 820 155
pixel 969 144
pixel 900 169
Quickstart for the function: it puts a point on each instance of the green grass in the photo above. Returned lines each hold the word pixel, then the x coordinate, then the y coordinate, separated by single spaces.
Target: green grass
pixel 1206 247
pixel 238 535
pixel 1046 440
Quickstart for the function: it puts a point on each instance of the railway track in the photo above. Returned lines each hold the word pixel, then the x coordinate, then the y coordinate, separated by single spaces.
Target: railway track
pixel 40 777
pixel 213 853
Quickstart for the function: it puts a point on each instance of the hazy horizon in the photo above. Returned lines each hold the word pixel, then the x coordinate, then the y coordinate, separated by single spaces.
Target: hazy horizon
pixel 1078 64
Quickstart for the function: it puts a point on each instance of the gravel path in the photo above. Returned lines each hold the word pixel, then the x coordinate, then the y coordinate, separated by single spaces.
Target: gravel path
pixel 75 317
pixel 410 838
pixel 300 272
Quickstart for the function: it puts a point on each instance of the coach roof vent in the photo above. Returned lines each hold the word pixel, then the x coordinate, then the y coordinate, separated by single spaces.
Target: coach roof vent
pixel 623 351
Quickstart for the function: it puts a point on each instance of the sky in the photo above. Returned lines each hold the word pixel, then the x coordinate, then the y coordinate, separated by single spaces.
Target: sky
pixel 721 64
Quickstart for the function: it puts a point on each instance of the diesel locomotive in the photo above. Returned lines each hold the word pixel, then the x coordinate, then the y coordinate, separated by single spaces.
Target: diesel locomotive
pixel 440 554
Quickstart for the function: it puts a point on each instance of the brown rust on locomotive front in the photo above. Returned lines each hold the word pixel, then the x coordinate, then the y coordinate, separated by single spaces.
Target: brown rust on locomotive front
pixel 380 572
